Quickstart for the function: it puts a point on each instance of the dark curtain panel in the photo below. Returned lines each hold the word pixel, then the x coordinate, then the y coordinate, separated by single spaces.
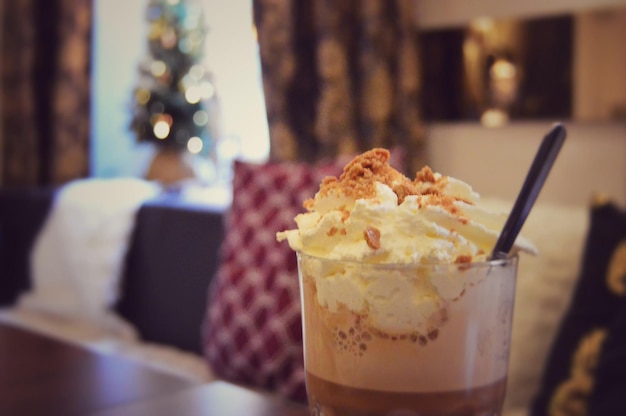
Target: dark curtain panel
pixel 45 85
pixel 340 76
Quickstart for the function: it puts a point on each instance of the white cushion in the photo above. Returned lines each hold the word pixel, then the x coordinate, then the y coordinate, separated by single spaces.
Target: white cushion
pixel 77 257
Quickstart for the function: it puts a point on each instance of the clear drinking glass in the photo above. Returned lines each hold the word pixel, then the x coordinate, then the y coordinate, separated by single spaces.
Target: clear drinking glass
pixel 400 340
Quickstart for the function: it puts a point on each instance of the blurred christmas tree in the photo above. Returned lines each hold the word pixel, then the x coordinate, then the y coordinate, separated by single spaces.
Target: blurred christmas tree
pixel 175 92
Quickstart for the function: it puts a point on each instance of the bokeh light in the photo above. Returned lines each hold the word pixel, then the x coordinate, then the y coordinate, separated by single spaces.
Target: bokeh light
pixel 194 145
pixel 494 117
pixel 158 68
pixel 200 117
pixel 184 45
pixel 197 72
pixel 207 90
pixel 193 94
pixel 142 96
pixel 161 129
pixel 503 69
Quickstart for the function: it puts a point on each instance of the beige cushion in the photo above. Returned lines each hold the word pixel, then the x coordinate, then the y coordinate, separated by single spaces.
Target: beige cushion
pixel 544 287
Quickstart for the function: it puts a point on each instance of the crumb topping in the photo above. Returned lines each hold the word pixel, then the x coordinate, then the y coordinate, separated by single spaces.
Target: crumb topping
pixel 463 258
pixel 372 237
pixel 345 214
pixel 359 178
pixel 361 174
pixel 332 231
pixel 425 175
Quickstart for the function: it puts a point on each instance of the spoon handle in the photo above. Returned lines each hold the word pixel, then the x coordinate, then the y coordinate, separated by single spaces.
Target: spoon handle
pixel 536 177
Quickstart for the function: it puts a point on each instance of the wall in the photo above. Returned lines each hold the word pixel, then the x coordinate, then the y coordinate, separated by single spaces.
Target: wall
pixel 600 65
pixel 495 160
pixel 118 42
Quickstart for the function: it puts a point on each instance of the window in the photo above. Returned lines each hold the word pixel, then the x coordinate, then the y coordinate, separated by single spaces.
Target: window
pixel 120 42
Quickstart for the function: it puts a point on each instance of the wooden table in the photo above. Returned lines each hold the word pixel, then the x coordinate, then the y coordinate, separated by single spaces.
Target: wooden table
pixel 213 399
pixel 43 376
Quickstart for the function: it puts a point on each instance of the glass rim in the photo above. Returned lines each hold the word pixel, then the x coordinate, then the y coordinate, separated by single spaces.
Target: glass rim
pixel 511 260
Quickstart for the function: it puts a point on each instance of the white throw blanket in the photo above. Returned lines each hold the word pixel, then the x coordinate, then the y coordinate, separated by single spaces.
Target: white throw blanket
pixel 78 257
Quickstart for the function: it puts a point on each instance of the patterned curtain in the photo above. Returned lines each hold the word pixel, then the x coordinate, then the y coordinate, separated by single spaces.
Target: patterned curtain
pixel 44 91
pixel 340 76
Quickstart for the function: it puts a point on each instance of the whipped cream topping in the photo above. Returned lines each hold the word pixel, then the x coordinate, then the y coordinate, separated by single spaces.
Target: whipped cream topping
pixel 375 214
pixel 398 300
pixel 372 214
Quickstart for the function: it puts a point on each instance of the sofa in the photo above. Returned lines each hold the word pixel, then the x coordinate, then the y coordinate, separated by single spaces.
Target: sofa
pixel 171 257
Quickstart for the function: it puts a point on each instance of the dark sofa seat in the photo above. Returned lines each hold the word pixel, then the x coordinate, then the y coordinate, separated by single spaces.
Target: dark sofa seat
pixel 22 214
pixel 172 256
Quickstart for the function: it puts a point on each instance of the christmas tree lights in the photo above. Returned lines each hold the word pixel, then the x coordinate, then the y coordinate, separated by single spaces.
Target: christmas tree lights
pixel 175 91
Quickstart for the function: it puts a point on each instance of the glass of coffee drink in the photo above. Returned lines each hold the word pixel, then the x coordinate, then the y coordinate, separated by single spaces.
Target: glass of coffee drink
pixel 406 339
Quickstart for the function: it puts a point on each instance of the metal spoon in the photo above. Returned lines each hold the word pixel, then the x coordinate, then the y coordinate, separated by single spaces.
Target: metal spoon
pixel 536 177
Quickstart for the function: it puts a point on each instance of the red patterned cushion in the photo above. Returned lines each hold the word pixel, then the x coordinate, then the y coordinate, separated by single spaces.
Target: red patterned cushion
pixel 253 332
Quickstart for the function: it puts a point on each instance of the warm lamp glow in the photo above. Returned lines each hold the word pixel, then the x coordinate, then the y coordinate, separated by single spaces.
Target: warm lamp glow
pixel 482 24
pixel 494 117
pixel 503 69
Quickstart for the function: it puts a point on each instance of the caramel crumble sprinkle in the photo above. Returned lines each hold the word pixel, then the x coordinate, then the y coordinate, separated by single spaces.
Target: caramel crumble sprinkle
pixel 463 258
pixel 372 237
pixel 359 178
pixel 425 175
pixel 332 231
pixel 360 175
